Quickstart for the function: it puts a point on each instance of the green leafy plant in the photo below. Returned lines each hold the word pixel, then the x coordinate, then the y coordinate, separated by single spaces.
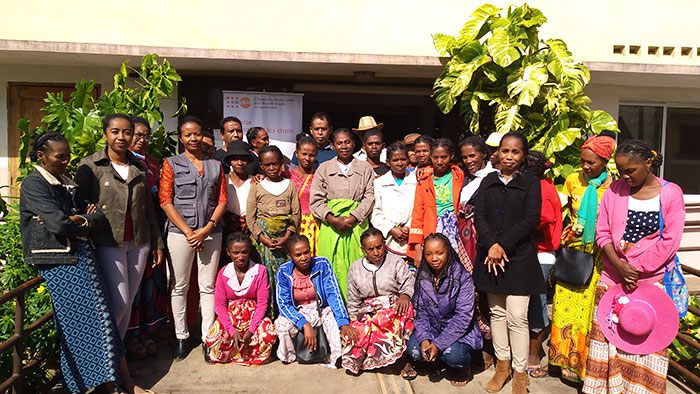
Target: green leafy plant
pixel 40 344
pixel 681 352
pixel 502 78
pixel 79 117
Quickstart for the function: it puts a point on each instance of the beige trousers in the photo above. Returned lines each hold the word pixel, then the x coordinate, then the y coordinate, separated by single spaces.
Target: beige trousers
pixel 509 328
pixel 182 257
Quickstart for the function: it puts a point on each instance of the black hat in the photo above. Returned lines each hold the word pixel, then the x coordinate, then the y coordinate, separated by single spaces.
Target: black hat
pixel 237 148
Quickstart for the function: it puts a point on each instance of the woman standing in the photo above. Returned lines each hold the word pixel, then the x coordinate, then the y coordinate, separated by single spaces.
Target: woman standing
pixel 242 334
pixel 193 195
pixel 149 310
pixel 437 199
pixel 639 230
pixel 237 158
pixel 548 237
pixel 380 288
pixel 308 297
pixel 444 298
pixel 474 154
pixel 507 213
pixel 572 306
pixel 342 196
pixel 421 148
pixel 303 176
pixel 55 222
pixel 273 215
pixel 475 161
pixel 257 139
pixel 117 183
pixel 394 193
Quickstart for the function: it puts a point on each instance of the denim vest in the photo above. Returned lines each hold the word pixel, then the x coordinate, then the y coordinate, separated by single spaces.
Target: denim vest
pixel 195 197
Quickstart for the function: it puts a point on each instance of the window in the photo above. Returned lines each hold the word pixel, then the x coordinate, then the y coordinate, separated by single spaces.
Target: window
pixel 673 131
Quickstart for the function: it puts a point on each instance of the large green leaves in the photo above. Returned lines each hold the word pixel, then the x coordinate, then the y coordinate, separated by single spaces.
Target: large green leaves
pixel 561 64
pixel 474 28
pixel 499 68
pixel 458 75
pixel 505 46
pixel 601 120
pixel 527 83
pixel 508 118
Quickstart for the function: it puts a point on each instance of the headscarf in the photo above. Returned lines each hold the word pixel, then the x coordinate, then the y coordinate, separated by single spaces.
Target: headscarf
pixel 601 145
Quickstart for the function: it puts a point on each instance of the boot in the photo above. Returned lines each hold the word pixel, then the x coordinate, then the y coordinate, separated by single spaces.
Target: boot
pixel 520 382
pixel 499 379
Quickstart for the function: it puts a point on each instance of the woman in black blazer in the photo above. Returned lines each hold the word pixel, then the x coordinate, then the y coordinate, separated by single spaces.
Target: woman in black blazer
pixel 507 213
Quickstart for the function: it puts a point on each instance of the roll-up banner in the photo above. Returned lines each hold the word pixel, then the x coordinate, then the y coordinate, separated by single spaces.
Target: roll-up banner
pixel 278 113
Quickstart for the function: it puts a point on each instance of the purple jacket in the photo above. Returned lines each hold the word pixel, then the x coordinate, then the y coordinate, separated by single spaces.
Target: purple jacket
pixel 446 315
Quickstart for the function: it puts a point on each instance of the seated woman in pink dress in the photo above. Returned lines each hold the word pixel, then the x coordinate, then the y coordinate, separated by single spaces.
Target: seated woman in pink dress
pixel 241 334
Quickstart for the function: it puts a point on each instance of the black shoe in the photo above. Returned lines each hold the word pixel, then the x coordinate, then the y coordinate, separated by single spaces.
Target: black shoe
pixel 205 350
pixel 180 349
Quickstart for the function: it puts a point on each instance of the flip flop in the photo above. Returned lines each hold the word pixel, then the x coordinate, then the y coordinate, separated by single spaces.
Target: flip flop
pixel 540 372
pixel 408 373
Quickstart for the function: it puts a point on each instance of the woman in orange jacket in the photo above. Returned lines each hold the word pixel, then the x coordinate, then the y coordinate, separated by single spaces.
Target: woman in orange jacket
pixel 437 199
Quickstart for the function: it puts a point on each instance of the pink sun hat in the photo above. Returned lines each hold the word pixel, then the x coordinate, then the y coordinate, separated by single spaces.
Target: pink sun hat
pixel 641 322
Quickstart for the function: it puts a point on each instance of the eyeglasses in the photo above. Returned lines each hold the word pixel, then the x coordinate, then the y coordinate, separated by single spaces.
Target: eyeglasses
pixel 144 137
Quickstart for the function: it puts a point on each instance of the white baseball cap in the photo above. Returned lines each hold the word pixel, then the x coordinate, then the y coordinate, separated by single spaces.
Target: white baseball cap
pixel 494 139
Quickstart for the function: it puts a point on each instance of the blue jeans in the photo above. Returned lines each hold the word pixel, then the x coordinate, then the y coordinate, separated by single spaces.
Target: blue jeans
pixel 457 355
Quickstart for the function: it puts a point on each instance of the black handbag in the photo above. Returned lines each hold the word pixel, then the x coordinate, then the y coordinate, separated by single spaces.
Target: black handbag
pixel 323 348
pixel 574 267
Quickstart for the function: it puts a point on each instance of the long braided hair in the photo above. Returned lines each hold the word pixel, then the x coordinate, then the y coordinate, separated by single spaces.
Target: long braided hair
pixel 425 272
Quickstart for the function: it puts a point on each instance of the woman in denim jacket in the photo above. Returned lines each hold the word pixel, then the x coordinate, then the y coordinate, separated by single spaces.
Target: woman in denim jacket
pixel 55 221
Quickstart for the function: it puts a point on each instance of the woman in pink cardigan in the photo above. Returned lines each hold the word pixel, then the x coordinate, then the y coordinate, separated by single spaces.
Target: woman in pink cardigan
pixel 241 334
pixel 634 251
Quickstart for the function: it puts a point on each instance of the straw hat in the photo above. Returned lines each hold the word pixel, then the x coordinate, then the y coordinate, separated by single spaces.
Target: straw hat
pixel 409 139
pixel 641 322
pixel 368 122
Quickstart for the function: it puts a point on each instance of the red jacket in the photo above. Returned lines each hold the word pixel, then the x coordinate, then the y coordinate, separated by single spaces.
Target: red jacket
pixel 548 232
pixel 424 219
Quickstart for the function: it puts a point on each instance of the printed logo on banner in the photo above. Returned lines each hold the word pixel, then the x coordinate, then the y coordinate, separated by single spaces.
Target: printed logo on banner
pixel 236 102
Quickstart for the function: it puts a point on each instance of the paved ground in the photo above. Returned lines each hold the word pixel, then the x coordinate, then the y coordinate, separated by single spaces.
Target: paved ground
pixel 192 375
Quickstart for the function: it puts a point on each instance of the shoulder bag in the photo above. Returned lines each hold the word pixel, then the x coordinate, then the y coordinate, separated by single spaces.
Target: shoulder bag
pixel 574 267
pixel 320 355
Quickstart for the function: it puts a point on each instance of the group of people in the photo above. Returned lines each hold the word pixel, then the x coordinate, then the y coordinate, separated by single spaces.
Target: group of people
pixel 416 253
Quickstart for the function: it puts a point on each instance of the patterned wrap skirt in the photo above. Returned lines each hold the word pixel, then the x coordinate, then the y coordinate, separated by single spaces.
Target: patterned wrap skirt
pixel 259 349
pixel 383 334
pixel 572 316
pixel 612 371
pixel 310 227
pixel 88 337
pixel 275 227
pixel 286 332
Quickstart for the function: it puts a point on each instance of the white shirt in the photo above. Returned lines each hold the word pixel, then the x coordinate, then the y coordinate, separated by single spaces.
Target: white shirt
pixel 468 191
pixel 274 188
pixel 122 169
pixel 393 206
pixel 237 196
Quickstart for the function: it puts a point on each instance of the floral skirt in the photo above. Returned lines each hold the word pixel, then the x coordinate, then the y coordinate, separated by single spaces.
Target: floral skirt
pixel 287 331
pixel 258 351
pixel 383 334
pixel 310 228
pixel 612 371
